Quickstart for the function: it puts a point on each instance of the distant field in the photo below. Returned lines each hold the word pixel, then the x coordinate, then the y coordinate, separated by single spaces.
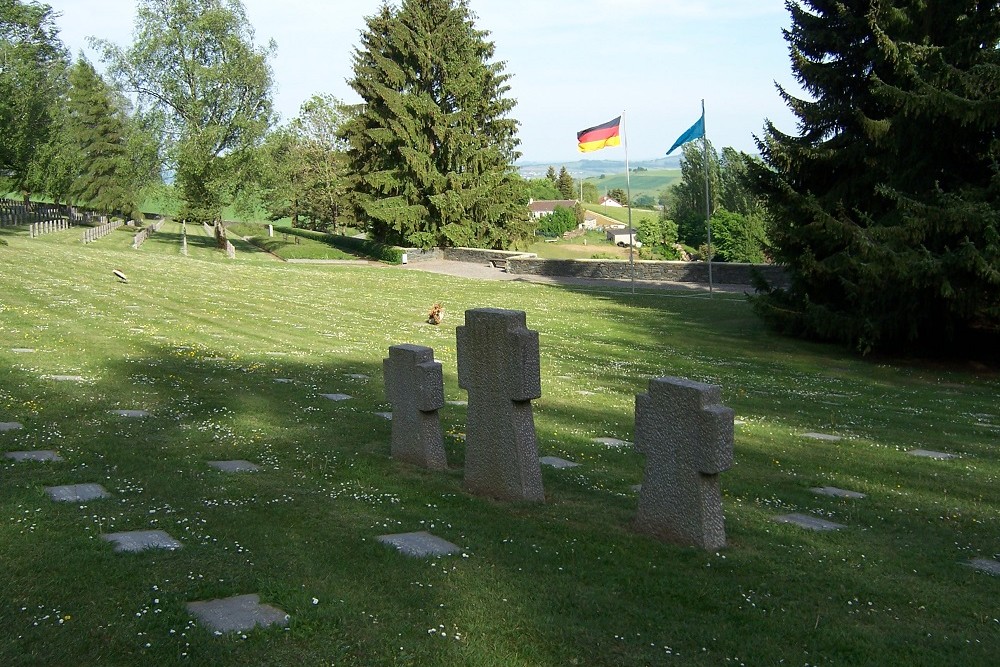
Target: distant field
pixel 621 214
pixel 650 182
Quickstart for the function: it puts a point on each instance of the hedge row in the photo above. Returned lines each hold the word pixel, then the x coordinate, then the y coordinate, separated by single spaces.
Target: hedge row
pixel 372 249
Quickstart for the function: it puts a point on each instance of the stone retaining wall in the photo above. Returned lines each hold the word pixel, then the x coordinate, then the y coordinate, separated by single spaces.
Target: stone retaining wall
pixel 723 273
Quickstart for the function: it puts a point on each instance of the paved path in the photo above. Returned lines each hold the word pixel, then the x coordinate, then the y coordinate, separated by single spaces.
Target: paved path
pixel 487 272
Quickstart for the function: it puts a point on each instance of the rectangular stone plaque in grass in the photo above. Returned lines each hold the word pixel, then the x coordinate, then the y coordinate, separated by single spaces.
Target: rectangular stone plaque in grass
pixel 612 442
pixel 10 426
pixel 140 540
pixel 283 380
pixel 76 493
pixel 810 522
pixel 420 544
pixel 336 397
pixel 236 614
pixel 358 376
pixel 927 454
pixel 22 350
pixel 234 466
pixel 384 415
pixel 837 493
pixel 132 414
pixel 822 436
pixel 986 565
pixel 556 462
pixel 39 455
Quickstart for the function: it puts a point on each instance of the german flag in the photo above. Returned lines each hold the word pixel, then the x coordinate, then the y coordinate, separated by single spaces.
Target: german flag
pixel 596 138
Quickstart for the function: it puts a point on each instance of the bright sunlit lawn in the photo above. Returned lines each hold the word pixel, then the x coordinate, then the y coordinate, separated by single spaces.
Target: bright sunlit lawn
pixel 199 341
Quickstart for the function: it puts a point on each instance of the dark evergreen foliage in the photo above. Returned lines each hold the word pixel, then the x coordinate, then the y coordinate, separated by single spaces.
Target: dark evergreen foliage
pixel 885 205
pixel 432 147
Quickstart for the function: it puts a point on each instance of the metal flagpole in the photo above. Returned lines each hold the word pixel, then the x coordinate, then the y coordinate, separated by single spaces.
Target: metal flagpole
pixel 708 205
pixel 628 195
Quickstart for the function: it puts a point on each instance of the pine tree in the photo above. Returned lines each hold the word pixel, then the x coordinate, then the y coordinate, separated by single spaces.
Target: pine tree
pixel 566 185
pixel 432 147
pixel 884 207
pixel 96 132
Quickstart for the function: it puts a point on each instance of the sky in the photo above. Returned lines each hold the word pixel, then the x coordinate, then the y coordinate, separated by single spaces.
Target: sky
pixel 574 63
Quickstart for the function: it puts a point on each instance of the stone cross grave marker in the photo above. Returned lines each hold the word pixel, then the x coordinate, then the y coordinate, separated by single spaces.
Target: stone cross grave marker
pixel 414 384
pixel 687 437
pixel 498 364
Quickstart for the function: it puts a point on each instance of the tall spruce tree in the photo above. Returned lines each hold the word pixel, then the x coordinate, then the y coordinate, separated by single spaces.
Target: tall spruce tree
pixel 566 184
pixel 97 130
pixel 432 147
pixel 884 206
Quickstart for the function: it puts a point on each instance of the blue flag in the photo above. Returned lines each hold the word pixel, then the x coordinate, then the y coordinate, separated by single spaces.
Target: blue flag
pixel 696 131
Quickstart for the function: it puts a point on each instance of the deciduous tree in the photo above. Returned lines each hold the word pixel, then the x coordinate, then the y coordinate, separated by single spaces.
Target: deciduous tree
pixel 196 63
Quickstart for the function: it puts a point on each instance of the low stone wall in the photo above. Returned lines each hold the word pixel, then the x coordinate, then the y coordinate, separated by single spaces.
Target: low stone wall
pixel 480 256
pixel 684 272
pixel 417 255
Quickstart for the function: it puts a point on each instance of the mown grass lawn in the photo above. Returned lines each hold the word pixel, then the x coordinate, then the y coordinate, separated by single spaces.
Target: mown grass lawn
pixel 199 342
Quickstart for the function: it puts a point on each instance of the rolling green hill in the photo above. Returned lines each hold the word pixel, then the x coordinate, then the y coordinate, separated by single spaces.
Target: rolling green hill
pixel 650 182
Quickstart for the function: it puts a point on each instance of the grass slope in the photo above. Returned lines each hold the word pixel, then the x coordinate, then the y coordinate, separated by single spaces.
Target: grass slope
pixel 200 340
pixel 651 182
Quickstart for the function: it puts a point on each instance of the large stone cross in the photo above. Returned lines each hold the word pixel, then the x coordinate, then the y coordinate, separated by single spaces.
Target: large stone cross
pixel 414 385
pixel 687 437
pixel 498 364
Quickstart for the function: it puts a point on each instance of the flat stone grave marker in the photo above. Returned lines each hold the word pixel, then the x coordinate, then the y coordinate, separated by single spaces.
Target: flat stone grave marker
pixel 337 397
pixel 810 522
pixel 76 493
pixel 556 462
pixel 457 403
pixel 140 540
pixel 65 378
pixel 39 455
pixel 420 544
pixel 283 380
pixel 10 426
pixel 837 493
pixel 131 414
pixel 358 376
pixel 636 488
pixel 822 436
pixel 384 415
pixel 236 614
pixel 22 350
pixel 927 454
pixel 987 565
pixel 234 466
pixel 584 392
pixel 612 442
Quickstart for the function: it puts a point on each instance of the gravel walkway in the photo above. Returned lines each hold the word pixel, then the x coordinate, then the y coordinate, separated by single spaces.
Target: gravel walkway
pixel 487 272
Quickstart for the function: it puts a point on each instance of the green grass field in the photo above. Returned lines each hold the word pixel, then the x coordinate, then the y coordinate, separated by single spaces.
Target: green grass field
pixel 199 342
pixel 651 182
pixel 621 214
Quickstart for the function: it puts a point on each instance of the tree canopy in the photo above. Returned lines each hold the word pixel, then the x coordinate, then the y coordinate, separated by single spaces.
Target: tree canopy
pixel 884 206
pixel 195 64
pixel 432 148
pixel 32 78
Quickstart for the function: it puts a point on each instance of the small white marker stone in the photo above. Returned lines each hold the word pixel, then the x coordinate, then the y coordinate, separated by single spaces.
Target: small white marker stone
pixel 927 454
pixel 234 466
pixel 557 462
pixel 822 436
pixel 131 414
pixel 140 540
pixel 457 403
pixel 336 397
pixel 810 522
pixel 22 350
pixel 236 614
pixel 10 426
pixel 837 493
pixel 283 380
pixel 384 415
pixel 39 455
pixel 612 442
pixel 76 493
pixel 358 376
pixel 420 544
pixel 986 565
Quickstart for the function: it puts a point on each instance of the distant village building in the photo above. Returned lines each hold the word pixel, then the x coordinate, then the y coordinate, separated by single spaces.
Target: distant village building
pixel 608 201
pixel 623 238
pixel 542 208
pixel 588 224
